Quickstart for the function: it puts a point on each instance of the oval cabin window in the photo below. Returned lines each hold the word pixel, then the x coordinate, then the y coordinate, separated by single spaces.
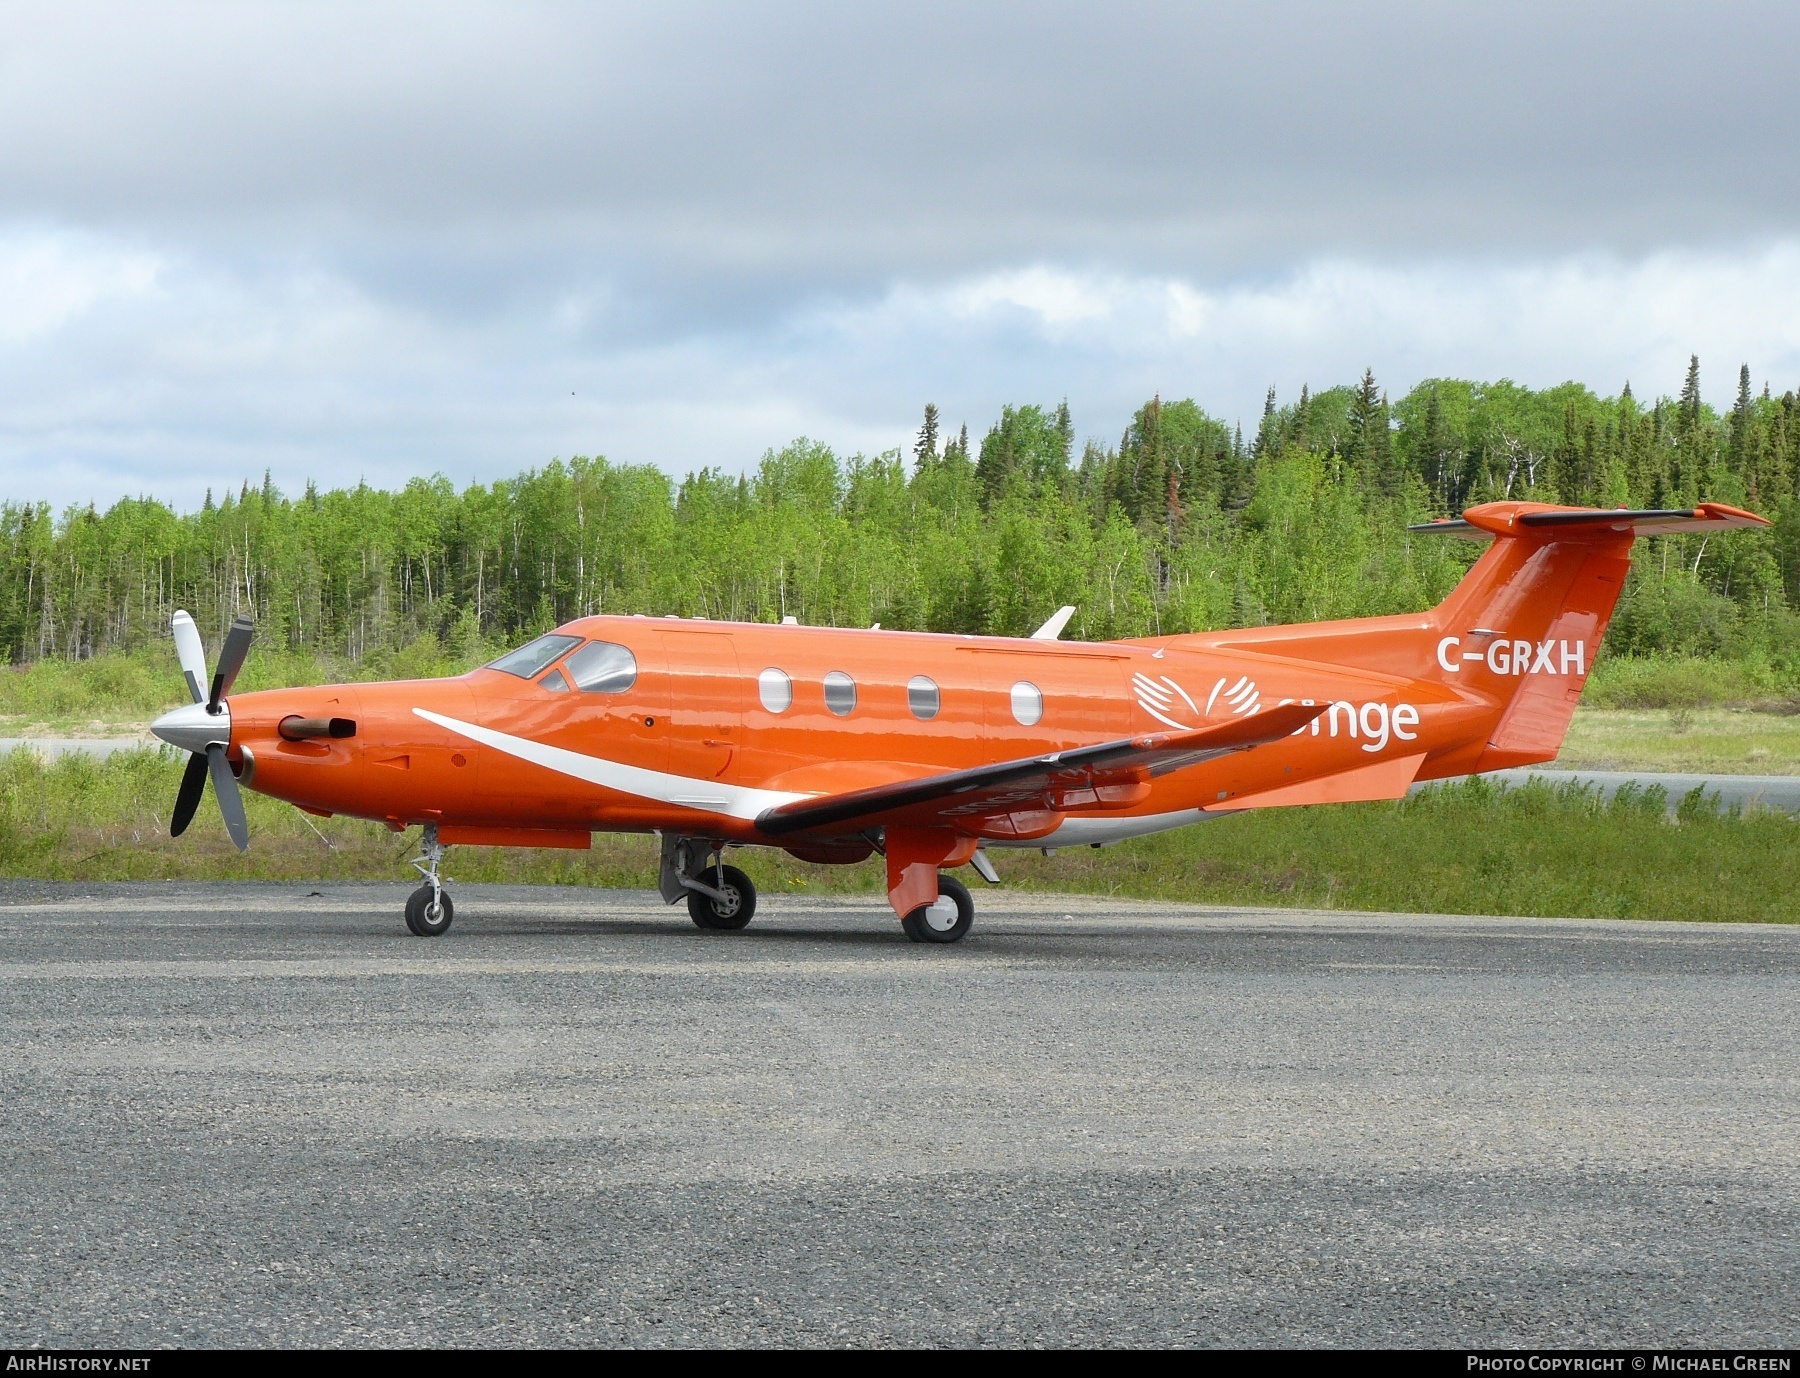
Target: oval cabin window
pixel 600 667
pixel 922 698
pixel 840 693
pixel 775 690
pixel 1027 703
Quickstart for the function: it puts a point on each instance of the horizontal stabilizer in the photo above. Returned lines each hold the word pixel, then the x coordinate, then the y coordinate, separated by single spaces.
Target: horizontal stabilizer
pixel 1497 519
pixel 967 795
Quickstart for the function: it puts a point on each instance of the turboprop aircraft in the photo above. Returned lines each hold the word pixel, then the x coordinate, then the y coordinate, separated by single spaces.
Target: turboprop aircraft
pixel 931 750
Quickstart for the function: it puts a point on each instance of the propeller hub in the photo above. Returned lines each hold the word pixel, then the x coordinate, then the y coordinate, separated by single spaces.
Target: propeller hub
pixel 192 728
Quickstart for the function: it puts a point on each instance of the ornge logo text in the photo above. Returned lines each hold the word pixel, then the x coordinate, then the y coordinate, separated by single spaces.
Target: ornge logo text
pixel 1505 656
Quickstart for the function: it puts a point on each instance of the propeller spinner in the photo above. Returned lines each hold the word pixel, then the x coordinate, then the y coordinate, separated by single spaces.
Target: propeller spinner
pixel 203 728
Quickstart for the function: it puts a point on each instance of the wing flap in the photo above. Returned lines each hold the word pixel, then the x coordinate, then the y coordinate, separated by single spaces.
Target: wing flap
pixel 1107 775
pixel 1383 780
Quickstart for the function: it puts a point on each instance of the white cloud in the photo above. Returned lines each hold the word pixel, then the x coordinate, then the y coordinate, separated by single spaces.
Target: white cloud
pixel 127 369
pixel 49 279
pixel 1595 319
pixel 1057 299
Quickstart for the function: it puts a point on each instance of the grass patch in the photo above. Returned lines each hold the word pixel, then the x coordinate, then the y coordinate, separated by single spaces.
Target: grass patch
pixel 1673 682
pixel 1471 847
pixel 1715 741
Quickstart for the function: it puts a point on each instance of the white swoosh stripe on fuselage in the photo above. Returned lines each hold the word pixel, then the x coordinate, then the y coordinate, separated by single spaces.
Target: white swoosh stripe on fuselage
pixel 709 796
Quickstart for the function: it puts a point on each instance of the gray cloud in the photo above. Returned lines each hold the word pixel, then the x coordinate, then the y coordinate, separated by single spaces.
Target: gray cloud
pixel 787 140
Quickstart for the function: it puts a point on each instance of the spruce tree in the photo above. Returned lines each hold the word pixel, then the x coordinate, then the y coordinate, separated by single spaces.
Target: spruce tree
pixel 1565 459
pixel 925 450
pixel 1152 476
pixel 1300 424
pixel 1365 409
pixel 1689 415
pixel 1688 482
pixel 1740 457
pixel 1265 430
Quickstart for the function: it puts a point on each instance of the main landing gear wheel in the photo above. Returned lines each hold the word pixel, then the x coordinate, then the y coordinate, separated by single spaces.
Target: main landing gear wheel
pixel 429 911
pixel 945 920
pixel 732 912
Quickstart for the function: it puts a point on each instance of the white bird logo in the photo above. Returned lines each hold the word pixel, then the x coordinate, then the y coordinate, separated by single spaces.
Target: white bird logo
pixel 1157 698
pixel 1242 698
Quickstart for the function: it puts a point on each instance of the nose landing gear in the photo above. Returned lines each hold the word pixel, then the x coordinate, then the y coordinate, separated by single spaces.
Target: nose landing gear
pixel 428 909
pixel 718 896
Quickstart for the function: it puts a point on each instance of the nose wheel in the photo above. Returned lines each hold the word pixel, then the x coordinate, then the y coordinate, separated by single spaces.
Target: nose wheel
pixel 428 909
pixel 946 919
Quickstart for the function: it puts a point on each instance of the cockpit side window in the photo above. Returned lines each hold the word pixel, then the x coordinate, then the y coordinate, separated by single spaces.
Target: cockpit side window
pixel 600 667
pixel 534 655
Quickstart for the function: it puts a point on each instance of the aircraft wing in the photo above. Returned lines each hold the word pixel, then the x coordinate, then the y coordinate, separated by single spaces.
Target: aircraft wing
pixel 1033 781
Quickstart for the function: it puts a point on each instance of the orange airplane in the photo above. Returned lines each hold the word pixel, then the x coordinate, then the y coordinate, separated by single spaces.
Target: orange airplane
pixel 929 749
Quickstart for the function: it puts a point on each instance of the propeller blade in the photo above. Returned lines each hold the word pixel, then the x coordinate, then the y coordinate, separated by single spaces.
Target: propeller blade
pixel 231 659
pixel 192 656
pixel 187 798
pixel 231 800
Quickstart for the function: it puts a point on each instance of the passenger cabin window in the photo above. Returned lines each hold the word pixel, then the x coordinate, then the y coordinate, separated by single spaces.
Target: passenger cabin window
pixel 534 655
pixel 555 682
pixel 1027 703
pixel 922 698
pixel 840 693
pixel 600 667
pixel 775 690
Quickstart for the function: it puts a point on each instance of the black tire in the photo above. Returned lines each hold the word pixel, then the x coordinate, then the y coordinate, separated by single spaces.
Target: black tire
pixel 707 912
pixel 419 916
pixel 922 927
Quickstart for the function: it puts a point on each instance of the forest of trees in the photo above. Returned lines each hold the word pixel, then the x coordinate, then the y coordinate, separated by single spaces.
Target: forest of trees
pixel 1187 523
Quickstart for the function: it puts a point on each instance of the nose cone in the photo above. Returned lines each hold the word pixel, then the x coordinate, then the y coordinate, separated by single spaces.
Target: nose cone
pixel 194 729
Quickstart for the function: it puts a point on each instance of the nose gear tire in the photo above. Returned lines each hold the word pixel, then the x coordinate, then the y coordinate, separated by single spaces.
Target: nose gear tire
pixel 923 926
pixel 739 906
pixel 420 917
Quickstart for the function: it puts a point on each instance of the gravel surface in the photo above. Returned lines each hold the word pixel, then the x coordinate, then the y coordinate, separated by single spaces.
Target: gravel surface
pixel 254 1114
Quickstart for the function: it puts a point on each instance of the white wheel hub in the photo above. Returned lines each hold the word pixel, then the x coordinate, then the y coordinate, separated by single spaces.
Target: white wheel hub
pixel 941 915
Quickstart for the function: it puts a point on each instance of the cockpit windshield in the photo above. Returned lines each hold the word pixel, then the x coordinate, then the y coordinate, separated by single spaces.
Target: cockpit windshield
pixel 534 655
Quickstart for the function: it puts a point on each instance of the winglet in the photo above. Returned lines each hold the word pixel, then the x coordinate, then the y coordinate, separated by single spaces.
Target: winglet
pixel 1053 626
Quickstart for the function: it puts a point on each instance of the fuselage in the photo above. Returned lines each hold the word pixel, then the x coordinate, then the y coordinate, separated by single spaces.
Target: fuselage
pixel 718 721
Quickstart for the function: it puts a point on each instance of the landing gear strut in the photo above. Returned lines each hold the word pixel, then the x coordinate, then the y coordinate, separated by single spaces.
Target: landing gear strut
pixel 946 919
pixel 718 896
pixel 428 910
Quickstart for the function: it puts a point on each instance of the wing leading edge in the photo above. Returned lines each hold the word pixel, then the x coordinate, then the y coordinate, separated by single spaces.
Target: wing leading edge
pixel 1071 779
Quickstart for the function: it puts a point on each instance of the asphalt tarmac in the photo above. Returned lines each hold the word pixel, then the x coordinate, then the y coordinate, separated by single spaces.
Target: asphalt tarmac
pixel 257 1115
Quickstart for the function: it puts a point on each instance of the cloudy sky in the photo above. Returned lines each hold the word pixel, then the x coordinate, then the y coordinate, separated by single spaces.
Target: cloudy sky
pixel 375 241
